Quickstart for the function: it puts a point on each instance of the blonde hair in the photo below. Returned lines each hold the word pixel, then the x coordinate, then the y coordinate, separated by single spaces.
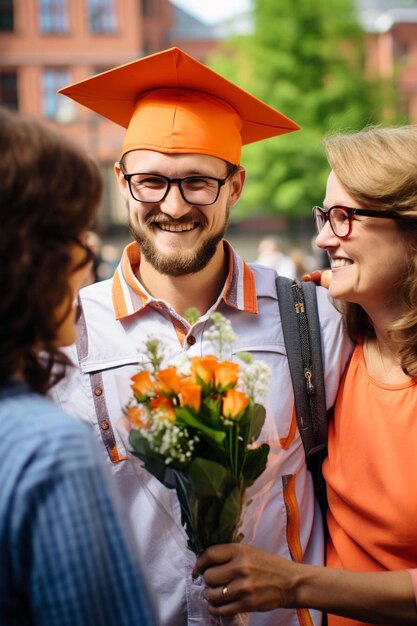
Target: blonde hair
pixel 378 168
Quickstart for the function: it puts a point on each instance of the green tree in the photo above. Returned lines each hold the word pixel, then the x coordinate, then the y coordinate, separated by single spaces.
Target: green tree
pixel 305 58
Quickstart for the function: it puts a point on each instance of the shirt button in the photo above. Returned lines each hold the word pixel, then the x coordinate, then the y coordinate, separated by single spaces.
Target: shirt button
pixel 191 340
pixel 104 425
pixel 98 391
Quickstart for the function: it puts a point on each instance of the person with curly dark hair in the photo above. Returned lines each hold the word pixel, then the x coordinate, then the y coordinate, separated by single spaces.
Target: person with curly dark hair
pixel 65 556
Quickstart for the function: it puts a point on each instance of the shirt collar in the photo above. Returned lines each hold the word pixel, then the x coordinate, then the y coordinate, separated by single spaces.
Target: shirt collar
pixel 129 296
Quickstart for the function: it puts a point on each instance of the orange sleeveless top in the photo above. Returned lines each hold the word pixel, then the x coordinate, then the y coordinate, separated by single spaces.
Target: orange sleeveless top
pixel 371 475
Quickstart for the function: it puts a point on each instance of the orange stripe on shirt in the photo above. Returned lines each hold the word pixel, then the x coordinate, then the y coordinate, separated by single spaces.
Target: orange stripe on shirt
pixel 293 518
pixel 231 270
pixel 240 287
pixel 125 274
pixel 293 535
pixel 285 442
pixel 116 456
pixel 249 290
pixel 304 617
pixel 179 330
pixel 130 265
pixel 119 303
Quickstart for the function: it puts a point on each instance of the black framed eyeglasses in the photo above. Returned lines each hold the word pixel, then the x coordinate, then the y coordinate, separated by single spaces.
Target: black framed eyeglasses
pixel 340 218
pixel 154 188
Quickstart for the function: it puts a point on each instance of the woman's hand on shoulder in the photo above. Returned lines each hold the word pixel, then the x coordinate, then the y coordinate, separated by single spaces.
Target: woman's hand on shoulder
pixel 320 277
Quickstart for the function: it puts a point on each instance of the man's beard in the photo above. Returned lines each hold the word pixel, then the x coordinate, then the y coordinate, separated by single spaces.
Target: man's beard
pixel 180 262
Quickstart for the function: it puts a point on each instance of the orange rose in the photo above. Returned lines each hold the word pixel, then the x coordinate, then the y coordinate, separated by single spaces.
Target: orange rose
pixel 169 381
pixel 204 367
pixel 226 374
pixel 142 385
pixel 164 407
pixel 133 418
pixel 233 403
pixel 190 395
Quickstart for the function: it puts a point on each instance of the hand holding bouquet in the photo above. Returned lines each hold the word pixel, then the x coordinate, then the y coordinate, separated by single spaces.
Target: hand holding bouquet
pixel 195 429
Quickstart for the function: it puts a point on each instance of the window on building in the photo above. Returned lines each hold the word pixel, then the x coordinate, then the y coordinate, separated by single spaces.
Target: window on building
pixel 8 89
pixel 52 80
pixel 102 16
pixel 53 16
pixel 6 16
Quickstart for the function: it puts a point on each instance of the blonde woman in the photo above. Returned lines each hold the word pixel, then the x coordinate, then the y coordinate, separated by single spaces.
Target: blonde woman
pixel 368 226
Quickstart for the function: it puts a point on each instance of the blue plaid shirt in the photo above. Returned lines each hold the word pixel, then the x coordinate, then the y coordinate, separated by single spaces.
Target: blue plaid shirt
pixel 64 556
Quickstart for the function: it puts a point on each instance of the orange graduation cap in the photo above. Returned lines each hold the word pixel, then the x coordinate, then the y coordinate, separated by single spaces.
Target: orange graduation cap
pixel 172 103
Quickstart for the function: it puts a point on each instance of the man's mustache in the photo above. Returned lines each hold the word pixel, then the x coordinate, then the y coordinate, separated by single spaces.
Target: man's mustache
pixel 161 218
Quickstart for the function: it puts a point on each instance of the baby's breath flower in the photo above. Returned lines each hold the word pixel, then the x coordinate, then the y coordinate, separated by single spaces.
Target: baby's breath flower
pixel 183 365
pixel 221 334
pixel 175 444
pixel 192 315
pixel 254 379
pixel 154 351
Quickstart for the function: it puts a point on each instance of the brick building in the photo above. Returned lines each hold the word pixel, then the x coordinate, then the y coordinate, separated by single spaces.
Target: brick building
pixel 391 46
pixel 46 44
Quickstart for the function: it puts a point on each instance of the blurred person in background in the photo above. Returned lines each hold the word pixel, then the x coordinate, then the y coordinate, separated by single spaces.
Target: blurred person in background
pixel 270 254
pixel 368 227
pixel 65 558
pixel 108 260
pixel 320 258
pixel 303 262
pixel 93 241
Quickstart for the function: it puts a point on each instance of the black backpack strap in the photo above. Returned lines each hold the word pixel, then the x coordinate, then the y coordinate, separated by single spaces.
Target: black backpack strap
pixel 300 325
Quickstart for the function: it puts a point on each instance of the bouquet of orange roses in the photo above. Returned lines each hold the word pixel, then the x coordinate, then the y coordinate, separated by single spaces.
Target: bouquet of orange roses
pixel 195 428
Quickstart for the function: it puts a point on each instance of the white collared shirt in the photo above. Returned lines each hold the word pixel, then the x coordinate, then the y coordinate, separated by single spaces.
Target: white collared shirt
pixel 282 516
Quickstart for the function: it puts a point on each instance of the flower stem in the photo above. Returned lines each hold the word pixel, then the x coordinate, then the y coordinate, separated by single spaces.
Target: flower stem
pixel 236 446
pixel 230 446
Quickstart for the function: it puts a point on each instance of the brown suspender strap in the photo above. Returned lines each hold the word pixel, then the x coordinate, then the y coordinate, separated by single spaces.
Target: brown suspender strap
pixel 97 387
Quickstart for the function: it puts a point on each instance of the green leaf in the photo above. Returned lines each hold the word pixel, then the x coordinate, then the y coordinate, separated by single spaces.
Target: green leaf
pixel 209 478
pixel 188 417
pixel 179 481
pixel 211 410
pixel 246 357
pixel 207 512
pixel 229 520
pixel 215 454
pixel 153 462
pixel 213 405
pixel 255 463
pixel 206 388
pixel 257 419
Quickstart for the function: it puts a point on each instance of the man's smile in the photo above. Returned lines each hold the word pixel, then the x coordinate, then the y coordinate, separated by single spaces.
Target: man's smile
pixel 177 228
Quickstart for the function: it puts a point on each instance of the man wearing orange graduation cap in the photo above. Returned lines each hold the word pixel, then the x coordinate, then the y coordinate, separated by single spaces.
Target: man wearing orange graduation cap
pixel 179 173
